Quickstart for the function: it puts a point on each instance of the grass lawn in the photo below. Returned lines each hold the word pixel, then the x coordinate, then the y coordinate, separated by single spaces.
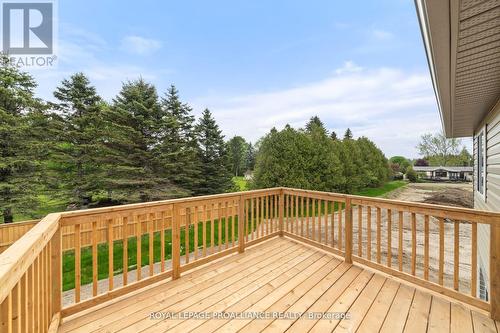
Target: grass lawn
pixel 240 183
pixel 382 190
pixel 86 253
pixel 103 258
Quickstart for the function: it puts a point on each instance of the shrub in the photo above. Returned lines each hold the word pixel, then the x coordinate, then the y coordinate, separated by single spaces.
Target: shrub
pixel 411 175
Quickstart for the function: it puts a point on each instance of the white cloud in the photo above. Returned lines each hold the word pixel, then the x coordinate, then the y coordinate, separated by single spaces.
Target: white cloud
pixel 140 45
pixel 349 67
pixel 382 34
pixel 390 106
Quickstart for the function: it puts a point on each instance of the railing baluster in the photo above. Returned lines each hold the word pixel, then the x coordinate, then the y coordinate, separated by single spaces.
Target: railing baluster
pixel 320 234
pixel 219 219
pixel 441 250
pixel 94 258
pixel 6 313
pixel 325 211
pixel 389 238
pixel 226 223
pixel 369 233
pixel 195 227
pixel 110 253
pixel 400 240
pixel 332 222
pixel 176 243
pixel 125 250
pixel 252 217
pixel 308 204
pixel 360 230
pixel 212 228
pixel 139 246
pixel 413 243
pixel 24 297
pixel 473 285
pixel 379 234
pixel 426 247
pixel 456 230
pixel 77 263
pixel 233 217
pixel 348 231
pixel 204 226
pixel 296 214
pixel 162 241
pixel 302 216
pixel 339 236
pixel 268 215
pixel 187 217
pixel 241 224
pixel 314 201
pixel 258 220
pixel 281 213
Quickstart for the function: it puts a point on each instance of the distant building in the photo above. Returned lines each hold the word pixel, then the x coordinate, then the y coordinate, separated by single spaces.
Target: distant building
pixel 445 173
pixel 248 175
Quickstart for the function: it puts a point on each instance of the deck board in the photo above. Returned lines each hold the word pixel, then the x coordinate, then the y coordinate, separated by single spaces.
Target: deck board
pixel 280 276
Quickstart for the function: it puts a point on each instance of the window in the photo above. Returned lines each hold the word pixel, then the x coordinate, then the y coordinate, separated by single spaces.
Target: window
pixel 480 162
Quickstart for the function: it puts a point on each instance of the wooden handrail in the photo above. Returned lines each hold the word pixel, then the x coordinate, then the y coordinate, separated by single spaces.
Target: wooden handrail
pixel 19 256
pixel 321 219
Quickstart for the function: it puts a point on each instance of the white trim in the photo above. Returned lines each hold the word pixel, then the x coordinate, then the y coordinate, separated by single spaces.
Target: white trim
pixel 481 176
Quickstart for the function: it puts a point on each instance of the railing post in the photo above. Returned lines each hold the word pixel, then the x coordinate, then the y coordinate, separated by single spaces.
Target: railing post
pixel 348 231
pixel 494 291
pixel 241 224
pixel 176 243
pixel 56 270
pixel 281 211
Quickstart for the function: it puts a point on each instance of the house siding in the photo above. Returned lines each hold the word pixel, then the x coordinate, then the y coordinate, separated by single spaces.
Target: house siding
pixel 491 199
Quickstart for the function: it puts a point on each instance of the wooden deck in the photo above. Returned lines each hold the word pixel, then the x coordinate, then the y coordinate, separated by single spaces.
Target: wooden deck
pixel 282 277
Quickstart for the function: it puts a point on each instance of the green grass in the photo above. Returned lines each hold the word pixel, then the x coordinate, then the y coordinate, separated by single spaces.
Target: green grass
pixel 241 183
pixel 103 258
pixel 382 190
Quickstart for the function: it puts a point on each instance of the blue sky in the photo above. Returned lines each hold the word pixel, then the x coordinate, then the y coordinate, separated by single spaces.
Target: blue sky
pixel 258 64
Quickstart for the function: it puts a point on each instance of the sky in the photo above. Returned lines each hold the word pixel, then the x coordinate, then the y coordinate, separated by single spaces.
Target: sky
pixel 261 64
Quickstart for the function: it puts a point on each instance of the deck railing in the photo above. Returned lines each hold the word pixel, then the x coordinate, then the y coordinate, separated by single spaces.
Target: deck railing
pixel 110 252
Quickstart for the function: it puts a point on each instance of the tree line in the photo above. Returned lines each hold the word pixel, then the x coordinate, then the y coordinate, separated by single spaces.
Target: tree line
pixel 83 151
pixel 313 158
pixel 140 147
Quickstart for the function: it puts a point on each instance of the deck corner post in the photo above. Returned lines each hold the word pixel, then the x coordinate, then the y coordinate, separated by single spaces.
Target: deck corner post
pixel 494 291
pixel 348 231
pixel 176 244
pixel 241 224
pixel 281 211
pixel 56 270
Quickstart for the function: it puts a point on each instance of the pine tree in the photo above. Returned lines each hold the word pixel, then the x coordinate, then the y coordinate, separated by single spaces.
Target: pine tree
pixel 250 157
pixel 348 134
pixel 215 175
pixel 19 165
pixel 137 175
pixel 315 124
pixel 78 147
pixel 237 149
pixel 178 151
pixel 333 136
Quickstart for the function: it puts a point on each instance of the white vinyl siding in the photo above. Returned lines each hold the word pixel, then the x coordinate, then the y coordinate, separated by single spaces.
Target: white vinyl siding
pixel 490 198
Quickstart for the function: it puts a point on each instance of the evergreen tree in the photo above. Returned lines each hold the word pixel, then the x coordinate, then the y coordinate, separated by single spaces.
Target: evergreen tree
pixel 137 175
pixel 250 157
pixel 237 149
pixel 19 165
pixel 315 124
pixel 348 134
pixel 77 150
pixel 333 136
pixel 215 175
pixel 178 151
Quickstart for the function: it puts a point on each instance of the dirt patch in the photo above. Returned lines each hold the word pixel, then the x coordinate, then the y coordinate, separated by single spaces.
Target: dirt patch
pixel 452 197
pixel 448 194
